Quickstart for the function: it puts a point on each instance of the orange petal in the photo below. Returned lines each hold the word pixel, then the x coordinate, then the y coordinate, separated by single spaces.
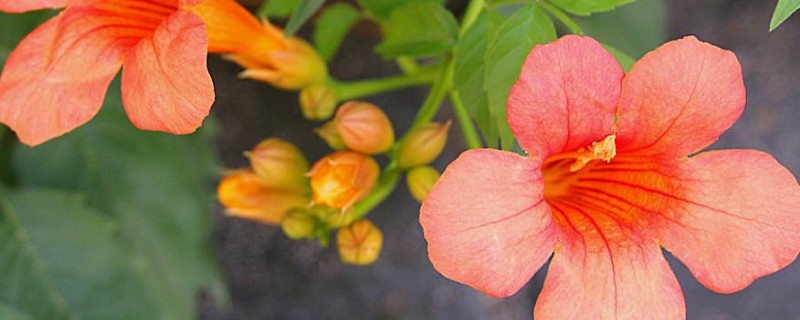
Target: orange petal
pixel 740 220
pixel 602 270
pixel 679 98
pixel 165 81
pixel 17 6
pixel 486 222
pixel 56 78
pixel 565 97
pixel 731 216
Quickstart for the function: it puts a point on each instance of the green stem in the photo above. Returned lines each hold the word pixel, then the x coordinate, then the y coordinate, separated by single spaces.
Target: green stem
pixel 386 184
pixel 407 65
pixel 563 17
pixel 474 9
pixel 465 122
pixel 431 104
pixel 358 89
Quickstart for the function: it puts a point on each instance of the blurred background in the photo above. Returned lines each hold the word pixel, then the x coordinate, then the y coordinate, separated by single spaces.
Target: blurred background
pixel 227 268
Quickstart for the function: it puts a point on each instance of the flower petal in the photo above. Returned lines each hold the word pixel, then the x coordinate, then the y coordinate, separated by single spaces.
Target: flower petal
pixel 165 81
pixel 731 216
pixel 741 219
pixel 57 77
pixel 486 223
pixel 18 6
pixel 602 270
pixel 679 98
pixel 565 97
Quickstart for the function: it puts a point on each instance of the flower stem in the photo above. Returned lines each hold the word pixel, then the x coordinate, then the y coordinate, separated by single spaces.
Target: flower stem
pixel 386 184
pixel 358 89
pixel 563 17
pixel 431 104
pixel 465 122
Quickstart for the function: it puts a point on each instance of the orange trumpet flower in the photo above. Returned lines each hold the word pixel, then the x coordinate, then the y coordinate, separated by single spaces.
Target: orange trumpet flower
pixel 56 78
pixel 614 175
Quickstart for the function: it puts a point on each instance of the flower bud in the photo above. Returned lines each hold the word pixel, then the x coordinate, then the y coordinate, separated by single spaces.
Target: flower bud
pixel 261 48
pixel 333 218
pixel 360 243
pixel 341 179
pixel 244 194
pixel 317 102
pixel 364 127
pixel 423 145
pixel 279 164
pixel 328 133
pixel 298 223
pixel 420 181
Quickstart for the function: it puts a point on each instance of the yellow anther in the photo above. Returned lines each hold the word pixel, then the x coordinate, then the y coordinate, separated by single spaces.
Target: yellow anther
pixel 605 150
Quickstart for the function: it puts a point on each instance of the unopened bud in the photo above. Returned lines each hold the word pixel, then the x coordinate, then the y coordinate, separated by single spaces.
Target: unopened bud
pixel 279 164
pixel 341 179
pixel 420 181
pixel 360 243
pixel 298 223
pixel 364 127
pixel 328 133
pixel 423 145
pixel 317 102
pixel 244 194
pixel 333 218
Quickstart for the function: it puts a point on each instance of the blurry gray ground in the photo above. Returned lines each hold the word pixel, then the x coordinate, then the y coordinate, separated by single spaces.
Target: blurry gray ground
pixel 271 277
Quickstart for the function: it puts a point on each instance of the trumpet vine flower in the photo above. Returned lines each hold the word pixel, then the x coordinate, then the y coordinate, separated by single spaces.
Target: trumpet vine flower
pixel 615 171
pixel 56 78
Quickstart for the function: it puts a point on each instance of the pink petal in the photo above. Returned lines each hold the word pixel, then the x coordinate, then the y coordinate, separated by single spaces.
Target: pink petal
pixel 679 98
pixel 566 96
pixel 165 81
pixel 57 77
pixel 739 221
pixel 601 270
pixel 486 223
pixel 17 6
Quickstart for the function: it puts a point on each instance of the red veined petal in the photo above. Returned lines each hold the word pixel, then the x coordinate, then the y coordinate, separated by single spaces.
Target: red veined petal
pixel 191 2
pixel 565 97
pixel 679 98
pixel 17 6
pixel 486 223
pixel 731 216
pixel 165 81
pixel 57 77
pixel 740 221
pixel 602 270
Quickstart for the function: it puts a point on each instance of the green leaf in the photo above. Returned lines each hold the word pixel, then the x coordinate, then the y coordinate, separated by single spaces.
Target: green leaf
pixel 301 14
pixel 782 12
pixel 624 60
pixel 469 75
pixel 634 29
pixel 332 27
pixel 9 313
pixel 587 7
pixel 418 29
pixel 62 260
pixel 382 9
pixel 14 27
pixel 510 44
pixel 155 185
pixel 277 8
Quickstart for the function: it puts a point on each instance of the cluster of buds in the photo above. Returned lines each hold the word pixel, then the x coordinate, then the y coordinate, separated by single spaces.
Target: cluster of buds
pixel 275 183
pixel 279 188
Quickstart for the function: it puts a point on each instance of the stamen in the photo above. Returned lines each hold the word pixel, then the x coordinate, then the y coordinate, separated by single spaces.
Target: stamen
pixel 605 150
